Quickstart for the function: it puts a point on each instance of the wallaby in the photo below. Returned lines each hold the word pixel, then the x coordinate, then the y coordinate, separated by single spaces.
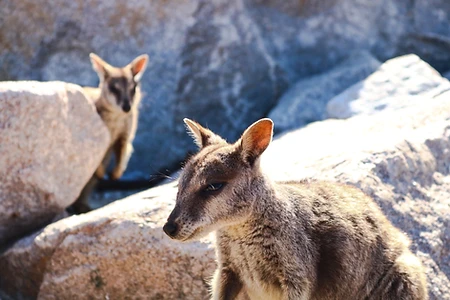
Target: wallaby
pixel 287 240
pixel 116 98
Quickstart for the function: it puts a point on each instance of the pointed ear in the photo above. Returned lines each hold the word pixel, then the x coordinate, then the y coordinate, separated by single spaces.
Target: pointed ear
pixel 99 65
pixel 138 66
pixel 203 137
pixel 256 139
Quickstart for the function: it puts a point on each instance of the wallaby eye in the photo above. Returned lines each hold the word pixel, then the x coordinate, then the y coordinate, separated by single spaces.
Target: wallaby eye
pixel 213 187
pixel 114 88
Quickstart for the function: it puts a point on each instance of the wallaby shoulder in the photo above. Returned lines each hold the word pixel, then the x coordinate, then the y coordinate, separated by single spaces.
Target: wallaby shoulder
pixel 93 93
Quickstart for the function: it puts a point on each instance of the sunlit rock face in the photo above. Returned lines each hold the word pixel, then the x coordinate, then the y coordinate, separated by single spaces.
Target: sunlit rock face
pixel 117 252
pixel 51 142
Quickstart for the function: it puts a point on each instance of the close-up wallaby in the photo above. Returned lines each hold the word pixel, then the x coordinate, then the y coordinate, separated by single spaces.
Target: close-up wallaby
pixel 116 98
pixel 287 240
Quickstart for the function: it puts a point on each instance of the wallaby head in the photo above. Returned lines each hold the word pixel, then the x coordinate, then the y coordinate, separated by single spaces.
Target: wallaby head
pixel 217 185
pixel 119 85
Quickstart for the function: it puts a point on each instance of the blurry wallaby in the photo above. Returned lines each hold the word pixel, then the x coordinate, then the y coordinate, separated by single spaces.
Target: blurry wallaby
pixel 287 240
pixel 116 98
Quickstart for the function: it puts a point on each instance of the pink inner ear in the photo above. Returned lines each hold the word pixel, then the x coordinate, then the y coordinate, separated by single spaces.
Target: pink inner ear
pixel 263 143
pixel 257 138
pixel 261 140
pixel 138 66
pixel 262 135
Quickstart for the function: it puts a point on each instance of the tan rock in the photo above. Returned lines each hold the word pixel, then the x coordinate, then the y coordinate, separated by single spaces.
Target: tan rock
pixel 116 252
pixel 51 141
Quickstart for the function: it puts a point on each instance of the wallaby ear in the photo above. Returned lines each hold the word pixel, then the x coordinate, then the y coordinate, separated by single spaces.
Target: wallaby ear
pixel 256 139
pixel 99 65
pixel 202 137
pixel 138 66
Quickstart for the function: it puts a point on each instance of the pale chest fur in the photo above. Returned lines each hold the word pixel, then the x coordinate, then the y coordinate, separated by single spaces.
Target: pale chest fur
pixel 120 125
pixel 255 262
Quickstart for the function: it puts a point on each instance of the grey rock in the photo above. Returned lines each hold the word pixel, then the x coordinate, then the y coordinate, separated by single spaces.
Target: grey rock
pixel 51 142
pixel 117 252
pixel 446 75
pixel 223 63
pixel 305 101
pixel 429 33
pixel 399 82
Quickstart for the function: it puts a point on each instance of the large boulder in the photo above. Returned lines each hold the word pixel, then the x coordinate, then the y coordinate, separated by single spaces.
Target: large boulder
pixel 223 63
pixel 398 83
pixel 401 158
pixel 305 101
pixel 51 141
pixel 116 252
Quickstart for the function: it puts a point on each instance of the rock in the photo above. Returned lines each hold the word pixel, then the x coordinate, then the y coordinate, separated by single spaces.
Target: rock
pixel 117 252
pixel 446 75
pixel 223 63
pixel 398 83
pixel 305 102
pixel 51 141
pixel 401 158
pixel 429 33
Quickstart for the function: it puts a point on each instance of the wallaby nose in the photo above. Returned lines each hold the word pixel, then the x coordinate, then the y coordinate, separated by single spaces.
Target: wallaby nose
pixel 170 228
pixel 126 107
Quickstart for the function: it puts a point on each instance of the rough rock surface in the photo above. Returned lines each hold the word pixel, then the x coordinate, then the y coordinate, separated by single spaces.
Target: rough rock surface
pixel 401 158
pixel 51 141
pixel 117 252
pixel 224 63
pixel 305 101
pixel 397 83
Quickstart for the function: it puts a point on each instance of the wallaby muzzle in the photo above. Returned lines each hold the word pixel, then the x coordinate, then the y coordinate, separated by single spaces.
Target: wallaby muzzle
pixel 171 228
pixel 126 107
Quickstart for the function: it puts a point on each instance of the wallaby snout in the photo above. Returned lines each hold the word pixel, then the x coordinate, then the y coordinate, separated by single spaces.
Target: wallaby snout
pixel 171 228
pixel 126 107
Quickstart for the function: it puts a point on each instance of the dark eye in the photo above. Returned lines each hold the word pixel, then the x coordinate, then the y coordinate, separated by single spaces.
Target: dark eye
pixel 213 187
pixel 113 88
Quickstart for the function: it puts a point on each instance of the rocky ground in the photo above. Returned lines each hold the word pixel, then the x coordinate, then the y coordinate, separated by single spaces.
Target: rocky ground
pixel 390 136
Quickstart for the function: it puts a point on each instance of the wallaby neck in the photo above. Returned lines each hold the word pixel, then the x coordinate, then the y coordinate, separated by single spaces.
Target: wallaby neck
pixel 263 201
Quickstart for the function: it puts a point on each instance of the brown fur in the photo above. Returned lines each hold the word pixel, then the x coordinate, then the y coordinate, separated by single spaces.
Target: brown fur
pixel 117 99
pixel 288 240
